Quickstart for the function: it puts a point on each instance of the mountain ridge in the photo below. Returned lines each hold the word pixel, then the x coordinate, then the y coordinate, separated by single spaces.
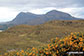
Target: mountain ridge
pixel 27 18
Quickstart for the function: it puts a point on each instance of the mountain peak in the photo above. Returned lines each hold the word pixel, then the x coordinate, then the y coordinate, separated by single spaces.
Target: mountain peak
pixel 53 11
pixel 56 12
pixel 25 13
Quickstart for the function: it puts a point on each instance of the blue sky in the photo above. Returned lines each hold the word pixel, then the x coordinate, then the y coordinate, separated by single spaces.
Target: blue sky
pixel 10 8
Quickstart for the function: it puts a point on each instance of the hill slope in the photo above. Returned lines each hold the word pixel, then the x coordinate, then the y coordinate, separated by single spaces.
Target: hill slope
pixel 23 36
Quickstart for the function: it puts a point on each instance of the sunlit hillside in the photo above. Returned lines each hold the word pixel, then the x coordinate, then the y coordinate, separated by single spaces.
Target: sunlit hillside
pixel 25 36
pixel 58 47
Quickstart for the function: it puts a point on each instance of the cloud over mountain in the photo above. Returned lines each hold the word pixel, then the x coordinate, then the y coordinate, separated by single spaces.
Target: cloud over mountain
pixel 31 5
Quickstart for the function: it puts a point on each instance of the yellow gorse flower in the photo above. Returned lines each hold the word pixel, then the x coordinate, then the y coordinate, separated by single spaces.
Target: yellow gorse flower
pixel 57 47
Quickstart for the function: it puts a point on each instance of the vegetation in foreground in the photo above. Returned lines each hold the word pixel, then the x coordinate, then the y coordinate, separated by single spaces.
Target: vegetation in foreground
pixel 58 47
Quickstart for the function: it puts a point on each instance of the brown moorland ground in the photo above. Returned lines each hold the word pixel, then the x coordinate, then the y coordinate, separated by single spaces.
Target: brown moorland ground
pixel 26 36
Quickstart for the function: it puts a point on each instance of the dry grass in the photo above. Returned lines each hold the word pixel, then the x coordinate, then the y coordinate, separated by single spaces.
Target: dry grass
pixel 24 36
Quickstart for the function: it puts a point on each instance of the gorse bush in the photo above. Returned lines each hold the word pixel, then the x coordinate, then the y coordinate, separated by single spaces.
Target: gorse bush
pixel 58 47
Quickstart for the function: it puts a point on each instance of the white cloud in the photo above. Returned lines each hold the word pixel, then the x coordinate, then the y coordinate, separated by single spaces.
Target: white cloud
pixel 76 12
pixel 7 14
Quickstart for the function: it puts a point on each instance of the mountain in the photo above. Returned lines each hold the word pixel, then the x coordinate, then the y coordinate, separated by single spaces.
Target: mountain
pixel 33 19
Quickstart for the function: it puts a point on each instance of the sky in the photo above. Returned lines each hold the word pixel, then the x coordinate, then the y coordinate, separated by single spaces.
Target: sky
pixel 10 8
